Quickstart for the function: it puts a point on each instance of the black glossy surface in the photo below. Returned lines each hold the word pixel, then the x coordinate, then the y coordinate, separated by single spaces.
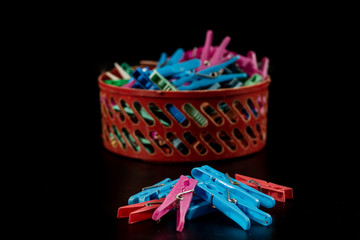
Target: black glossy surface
pixel 80 185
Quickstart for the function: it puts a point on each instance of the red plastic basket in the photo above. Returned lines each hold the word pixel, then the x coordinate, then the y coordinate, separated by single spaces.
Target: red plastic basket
pixel 226 123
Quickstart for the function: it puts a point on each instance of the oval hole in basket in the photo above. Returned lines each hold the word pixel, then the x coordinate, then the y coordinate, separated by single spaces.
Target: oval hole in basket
pixel 211 141
pixel 261 105
pixel 212 113
pixel 144 141
pixel 196 144
pixel 227 140
pixel 160 142
pixel 251 133
pixel 177 143
pixel 119 137
pixel 241 109
pixel 129 111
pixel 164 120
pixel 240 137
pixel 130 139
pixel 177 114
pixel 258 129
pixel 117 110
pixel 252 106
pixel 144 114
pixel 195 114
pixel 108 107
pixel 233 117
pixel 111 137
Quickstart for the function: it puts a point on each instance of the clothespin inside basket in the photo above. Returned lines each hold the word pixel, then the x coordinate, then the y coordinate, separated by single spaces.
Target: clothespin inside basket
pixel 139 211
pixel 278 192
pixel 249 65
pixel 179 198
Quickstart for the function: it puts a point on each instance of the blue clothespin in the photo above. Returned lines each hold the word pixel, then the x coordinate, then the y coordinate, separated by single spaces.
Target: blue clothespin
pixel 209 75
pixel 148 193
pixel 179 68
pixel 248 194
pixel 232 205
pixel 175 58
pixel 198 208
pixel 142 79
pixel 180 118
pixel 162 60
pixel 156 191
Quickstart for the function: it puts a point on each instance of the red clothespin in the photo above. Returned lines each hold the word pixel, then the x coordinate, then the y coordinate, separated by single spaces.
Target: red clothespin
pixel 139 211
pixel 179 198
pixel 278 192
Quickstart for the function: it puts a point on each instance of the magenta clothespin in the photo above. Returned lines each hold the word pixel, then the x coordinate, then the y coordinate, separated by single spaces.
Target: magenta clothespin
pixel 179 198
pixel 249 65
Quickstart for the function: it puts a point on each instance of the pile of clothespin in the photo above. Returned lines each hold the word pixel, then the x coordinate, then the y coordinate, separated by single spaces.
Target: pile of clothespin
pixel 205 68
pixel 208 191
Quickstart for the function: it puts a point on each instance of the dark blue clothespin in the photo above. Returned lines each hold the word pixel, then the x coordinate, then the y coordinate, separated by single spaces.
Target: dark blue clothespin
pixel 142 79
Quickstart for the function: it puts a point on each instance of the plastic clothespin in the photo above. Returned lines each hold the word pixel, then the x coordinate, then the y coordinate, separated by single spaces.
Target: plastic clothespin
pixel 177 68
pixel 118 83
pixel 142 80
pixel 247 193
pixel 122 72
pixel 180 118
pixel 161 82
pixel 278 192
pixel 162 60
pixel 207 73
pixel 207 81
pixel 231 204
pixel 198 208
pixel 127 68
pixel 156 191
pixel 254 79
pixel 249 65
pixel 148 193
pixel 139 211
pixel 179 198
pixel 218 56
pixel 112 76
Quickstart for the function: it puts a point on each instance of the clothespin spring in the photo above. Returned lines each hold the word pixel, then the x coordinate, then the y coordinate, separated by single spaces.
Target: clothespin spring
pixel 255 182
pixel 231 181
pixel 179 197
pixel 233 200
pixel 153 186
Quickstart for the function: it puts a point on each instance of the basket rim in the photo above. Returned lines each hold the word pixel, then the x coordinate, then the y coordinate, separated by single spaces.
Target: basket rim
pixel 182 94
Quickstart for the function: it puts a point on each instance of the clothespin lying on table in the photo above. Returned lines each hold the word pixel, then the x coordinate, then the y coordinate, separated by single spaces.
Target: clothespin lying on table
pixel 139 211
pixel 278 192
pixel 231 204
pixel 179 198
pixel 256 198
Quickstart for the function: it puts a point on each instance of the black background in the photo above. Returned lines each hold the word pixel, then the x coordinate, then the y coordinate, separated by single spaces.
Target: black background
pixel 79 185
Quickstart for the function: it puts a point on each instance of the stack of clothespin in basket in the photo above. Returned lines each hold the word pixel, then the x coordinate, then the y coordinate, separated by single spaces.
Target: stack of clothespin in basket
pixel 208 191
pixel 205 68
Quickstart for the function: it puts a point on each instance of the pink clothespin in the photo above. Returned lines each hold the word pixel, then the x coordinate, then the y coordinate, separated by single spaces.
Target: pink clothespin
pixel 179 198
pixel 208 58
pixel 249 65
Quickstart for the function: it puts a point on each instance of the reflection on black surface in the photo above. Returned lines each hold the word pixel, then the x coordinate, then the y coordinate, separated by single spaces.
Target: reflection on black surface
pixel 125 177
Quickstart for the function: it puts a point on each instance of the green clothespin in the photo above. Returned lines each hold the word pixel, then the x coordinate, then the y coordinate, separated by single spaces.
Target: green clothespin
pixel 195 114
pixel 117 83
pixel 127 68
pixel 161 82
pixel 256 78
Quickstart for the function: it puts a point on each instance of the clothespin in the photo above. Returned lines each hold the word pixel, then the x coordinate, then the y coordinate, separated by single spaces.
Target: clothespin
pixel 198 208
pixel 231 204
pixel 254 79
pixel 218 56
pixel 247 193
pixel 127 68
pixel 180 118
pixel 278 192
pixel 148 193
pixel 122 72
pixel 207 76
pixel 179 198
pixel 176 68
pixel 156 191
pixel 161 82
pixel 139 211
pixel 142 80
pixel 112 76
pixel 118 83
pixel 249 65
